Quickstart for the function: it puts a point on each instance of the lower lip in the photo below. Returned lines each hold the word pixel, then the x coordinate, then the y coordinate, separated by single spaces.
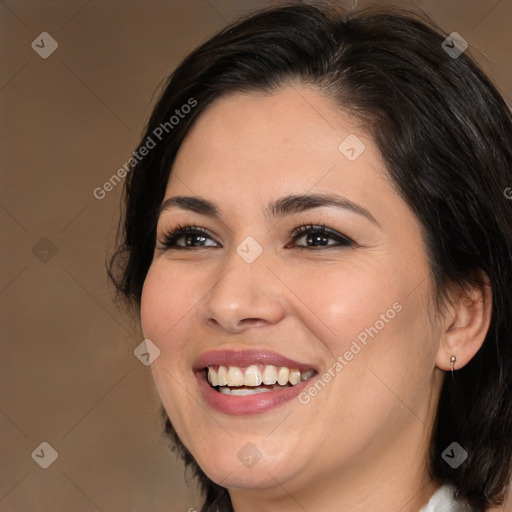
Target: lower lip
pixel 248 404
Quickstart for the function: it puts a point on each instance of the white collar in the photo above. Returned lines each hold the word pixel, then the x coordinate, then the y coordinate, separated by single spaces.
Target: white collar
pixel 443 500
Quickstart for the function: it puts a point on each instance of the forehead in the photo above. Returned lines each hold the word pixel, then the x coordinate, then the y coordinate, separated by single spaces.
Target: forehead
pixel 278 143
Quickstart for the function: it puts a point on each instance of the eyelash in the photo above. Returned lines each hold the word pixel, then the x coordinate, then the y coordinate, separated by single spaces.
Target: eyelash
pixel 170 237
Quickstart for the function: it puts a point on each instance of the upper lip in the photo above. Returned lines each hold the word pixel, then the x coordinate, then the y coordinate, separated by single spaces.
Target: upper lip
pixel 244 358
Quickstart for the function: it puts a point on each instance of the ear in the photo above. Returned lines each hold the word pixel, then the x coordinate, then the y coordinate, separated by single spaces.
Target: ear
pixel 467 317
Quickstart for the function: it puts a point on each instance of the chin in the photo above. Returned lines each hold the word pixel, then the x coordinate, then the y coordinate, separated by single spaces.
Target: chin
pixel 259 477
pixel 241 463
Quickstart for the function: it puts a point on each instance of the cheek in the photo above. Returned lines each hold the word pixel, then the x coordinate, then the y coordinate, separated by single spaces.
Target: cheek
pixel 371 319
pixel 406 354
pixel 344 302
pixel 166 298
pixel 168 303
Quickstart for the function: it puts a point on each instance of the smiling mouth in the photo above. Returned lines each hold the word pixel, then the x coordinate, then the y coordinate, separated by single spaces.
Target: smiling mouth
pixel 239 381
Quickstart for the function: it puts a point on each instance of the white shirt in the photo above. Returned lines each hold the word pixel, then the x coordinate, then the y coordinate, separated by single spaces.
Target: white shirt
pixel 443 501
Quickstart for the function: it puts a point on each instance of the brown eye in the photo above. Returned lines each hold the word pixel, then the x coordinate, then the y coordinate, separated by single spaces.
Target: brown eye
pixel 193 237
pixel 319 236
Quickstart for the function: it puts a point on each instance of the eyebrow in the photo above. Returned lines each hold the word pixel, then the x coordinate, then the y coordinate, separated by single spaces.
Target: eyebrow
pixel 283 207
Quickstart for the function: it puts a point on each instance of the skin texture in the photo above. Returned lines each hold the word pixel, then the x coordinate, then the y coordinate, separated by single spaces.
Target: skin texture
pixel 372 422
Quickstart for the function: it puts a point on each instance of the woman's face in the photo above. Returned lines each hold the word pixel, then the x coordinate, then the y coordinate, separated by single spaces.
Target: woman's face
pixel 348 307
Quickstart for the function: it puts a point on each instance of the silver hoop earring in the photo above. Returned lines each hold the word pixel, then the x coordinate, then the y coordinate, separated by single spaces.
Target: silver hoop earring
pixel 452 362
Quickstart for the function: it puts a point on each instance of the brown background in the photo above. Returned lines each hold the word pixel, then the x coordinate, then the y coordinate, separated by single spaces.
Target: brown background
pixel 68 375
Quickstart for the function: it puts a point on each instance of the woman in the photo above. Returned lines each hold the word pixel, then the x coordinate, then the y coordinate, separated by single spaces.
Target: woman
pixel 318 240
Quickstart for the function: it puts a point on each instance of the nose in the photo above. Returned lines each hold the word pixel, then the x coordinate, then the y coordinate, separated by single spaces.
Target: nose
pixel 246 295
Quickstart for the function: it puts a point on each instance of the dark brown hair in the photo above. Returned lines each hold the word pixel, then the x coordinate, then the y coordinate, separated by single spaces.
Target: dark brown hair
pixel 444 133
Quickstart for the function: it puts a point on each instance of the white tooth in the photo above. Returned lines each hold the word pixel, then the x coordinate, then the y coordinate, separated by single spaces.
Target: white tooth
pixel 269 375
pixel 294 377
pixel 252 376
pixel 282 375
pixel 225 391
pixel 245 391
pixel 307 375
pixel 235 376
pixel 212 376
pixel 222 376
